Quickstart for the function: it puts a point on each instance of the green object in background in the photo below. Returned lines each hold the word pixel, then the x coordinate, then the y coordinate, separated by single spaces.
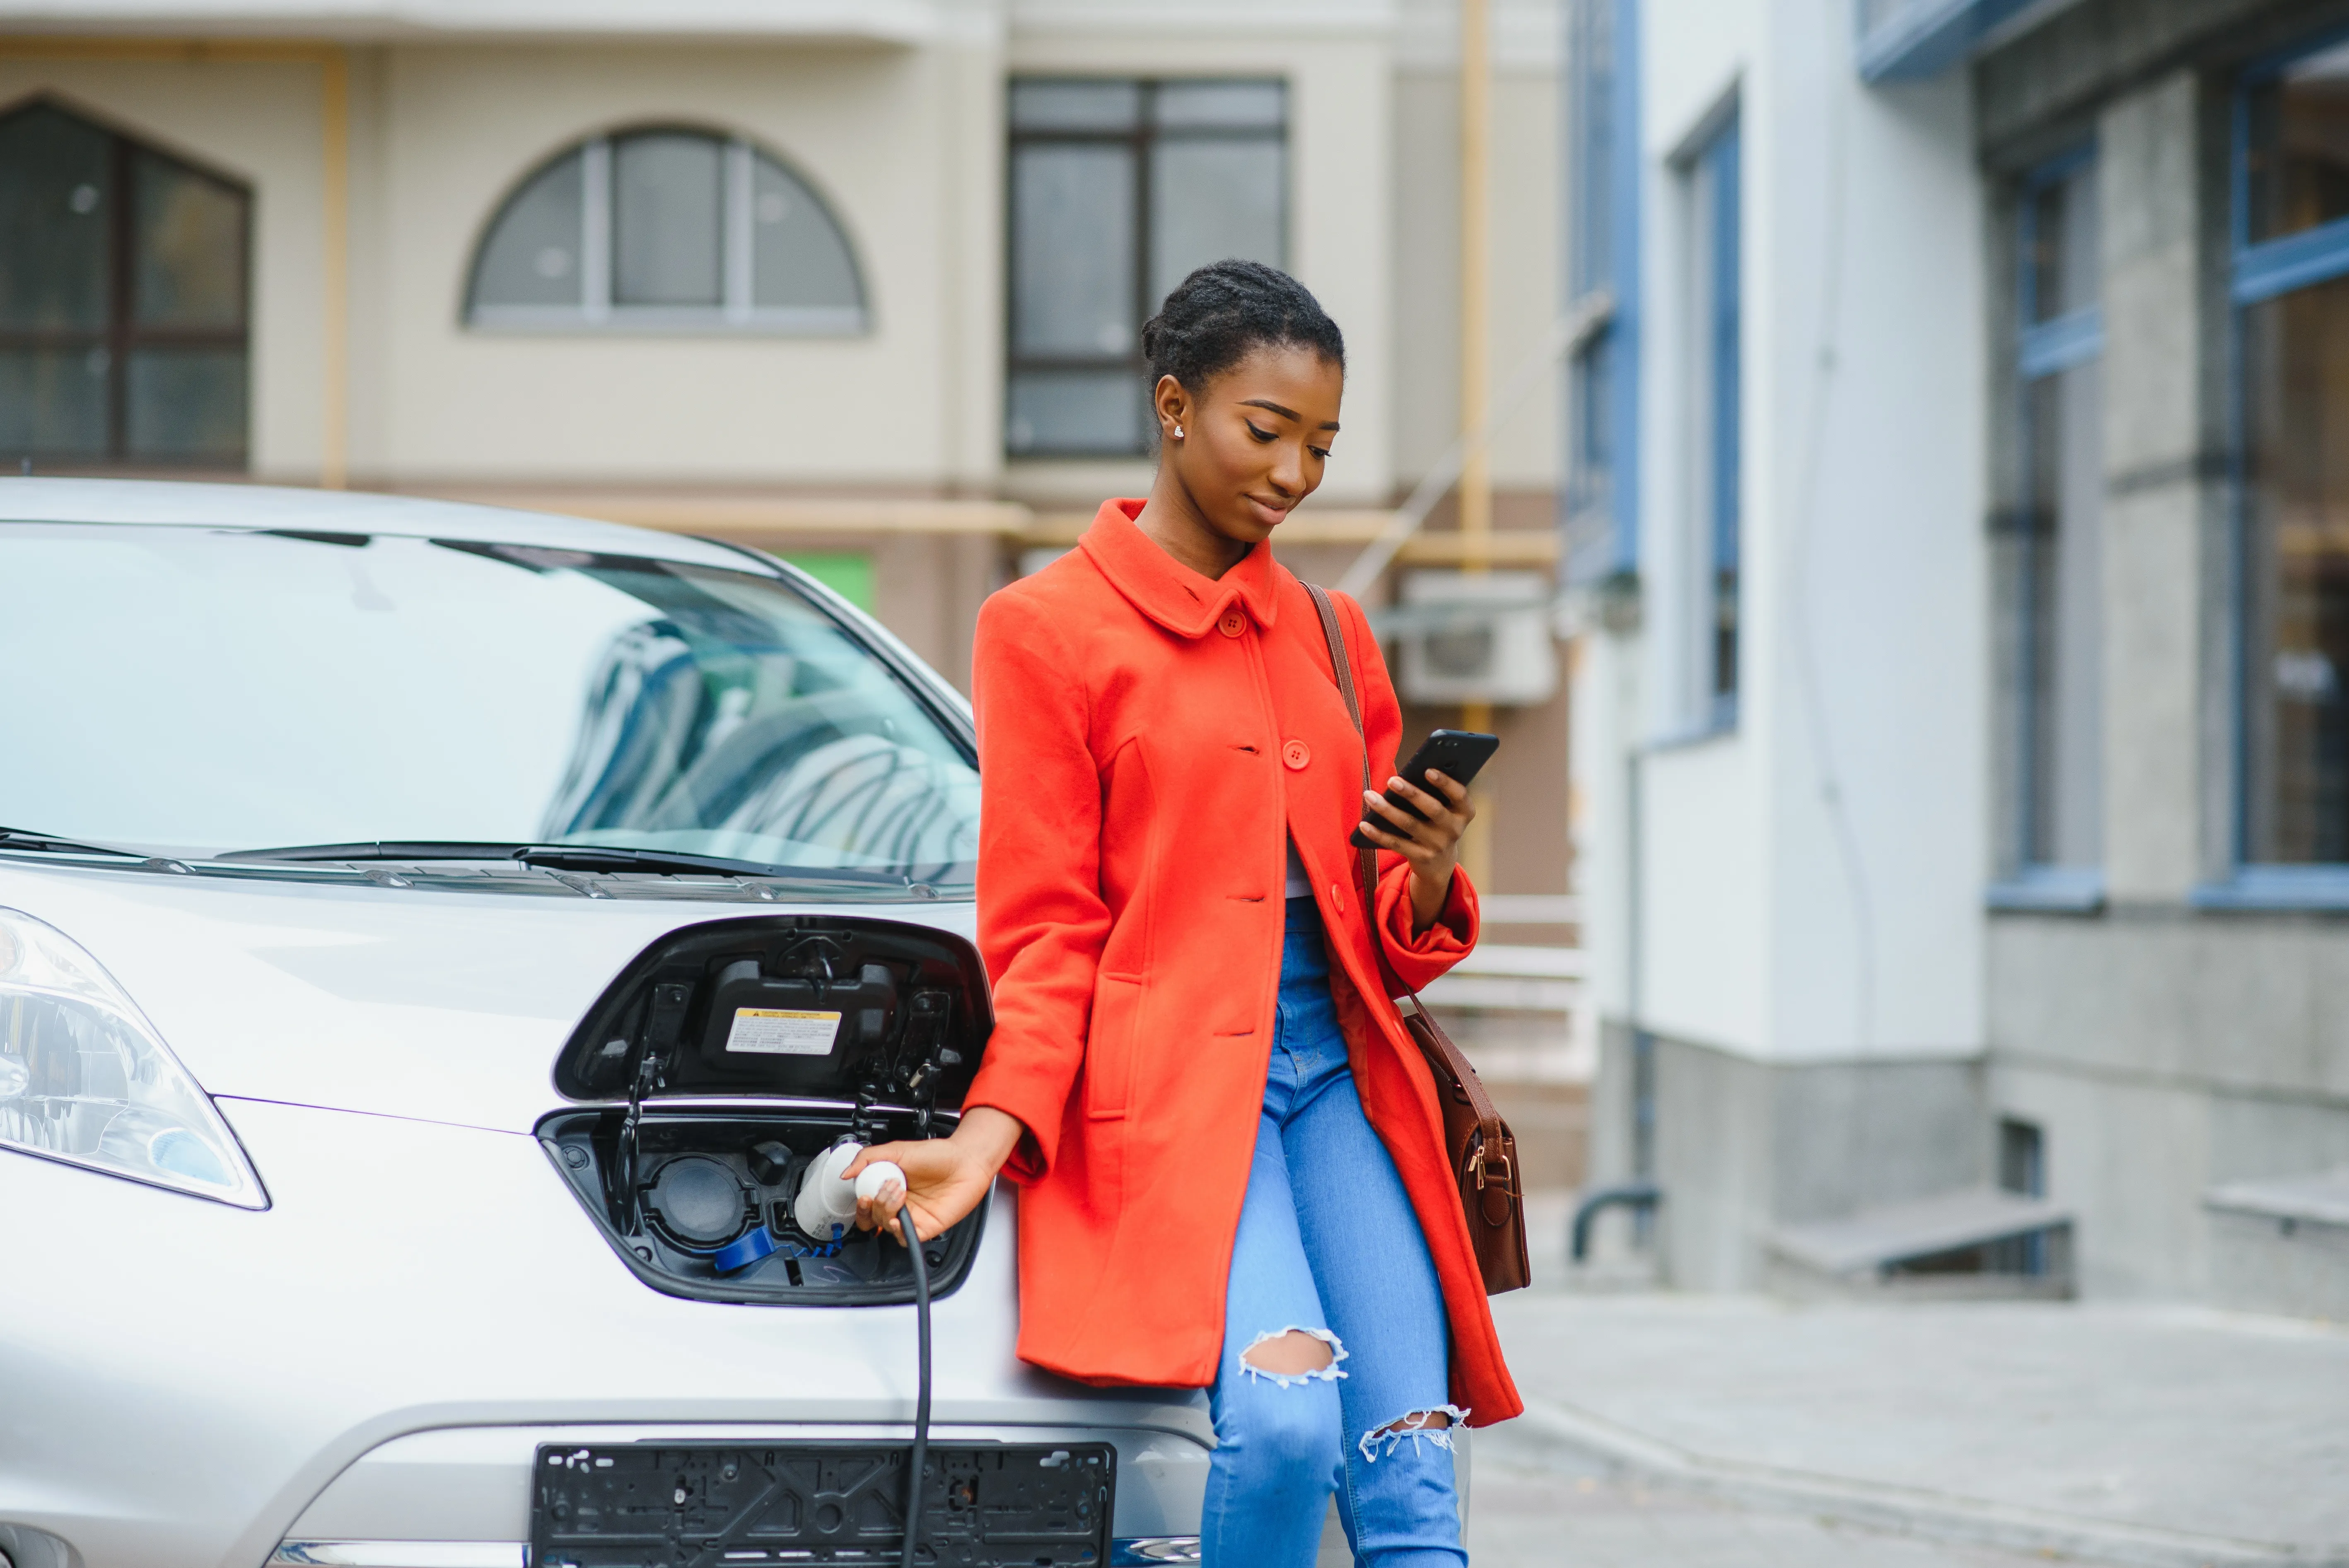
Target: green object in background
pixel 850 576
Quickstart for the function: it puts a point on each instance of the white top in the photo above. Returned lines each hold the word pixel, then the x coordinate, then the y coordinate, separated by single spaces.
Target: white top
pixel 1299 884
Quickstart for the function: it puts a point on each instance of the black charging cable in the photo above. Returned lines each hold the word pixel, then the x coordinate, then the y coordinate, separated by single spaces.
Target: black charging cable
pixel 919 1457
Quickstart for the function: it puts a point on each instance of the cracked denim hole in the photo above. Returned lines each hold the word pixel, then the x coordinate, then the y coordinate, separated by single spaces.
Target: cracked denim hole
pixel 1328 1374
pixel 1414 1429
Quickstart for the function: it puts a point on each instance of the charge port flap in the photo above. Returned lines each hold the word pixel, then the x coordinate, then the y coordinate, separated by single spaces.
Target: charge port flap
pixel 801 1006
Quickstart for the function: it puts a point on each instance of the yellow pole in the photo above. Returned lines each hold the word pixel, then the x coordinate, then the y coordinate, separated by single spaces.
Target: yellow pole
pixel 1476 351
pixel 334 340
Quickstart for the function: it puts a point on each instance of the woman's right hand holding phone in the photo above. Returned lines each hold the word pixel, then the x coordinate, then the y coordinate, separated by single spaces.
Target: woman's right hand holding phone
pixel 946 1178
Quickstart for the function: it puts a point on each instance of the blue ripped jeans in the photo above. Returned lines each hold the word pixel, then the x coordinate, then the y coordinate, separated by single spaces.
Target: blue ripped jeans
pixel 1327 1244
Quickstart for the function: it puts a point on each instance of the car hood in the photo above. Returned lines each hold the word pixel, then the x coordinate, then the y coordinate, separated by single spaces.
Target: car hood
pixel 439 1007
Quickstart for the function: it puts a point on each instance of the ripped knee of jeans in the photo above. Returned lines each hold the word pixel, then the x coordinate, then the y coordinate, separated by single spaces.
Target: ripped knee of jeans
pixel 1434 1425
pixel 1294 1354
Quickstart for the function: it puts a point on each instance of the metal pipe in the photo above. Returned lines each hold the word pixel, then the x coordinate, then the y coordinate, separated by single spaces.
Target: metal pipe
pixel 1641 1197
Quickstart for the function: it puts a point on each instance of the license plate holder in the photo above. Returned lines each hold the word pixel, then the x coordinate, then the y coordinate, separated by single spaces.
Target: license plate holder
pixel 811 1504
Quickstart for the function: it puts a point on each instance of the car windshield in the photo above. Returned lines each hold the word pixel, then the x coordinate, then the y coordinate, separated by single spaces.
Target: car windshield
pixel 200 691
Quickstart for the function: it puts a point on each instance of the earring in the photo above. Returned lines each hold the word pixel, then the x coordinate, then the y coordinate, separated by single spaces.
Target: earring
pixel 1178 432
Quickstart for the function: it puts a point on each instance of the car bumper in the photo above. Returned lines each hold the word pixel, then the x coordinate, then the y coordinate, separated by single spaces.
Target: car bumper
pixel 374 1357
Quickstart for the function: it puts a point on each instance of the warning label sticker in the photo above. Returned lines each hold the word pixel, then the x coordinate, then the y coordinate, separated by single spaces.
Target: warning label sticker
pixel 777 1032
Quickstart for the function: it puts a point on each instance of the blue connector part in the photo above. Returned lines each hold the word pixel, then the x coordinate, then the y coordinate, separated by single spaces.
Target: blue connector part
pixel 753 1245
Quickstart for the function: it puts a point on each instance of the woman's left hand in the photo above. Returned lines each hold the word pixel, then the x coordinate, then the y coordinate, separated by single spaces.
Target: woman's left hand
pixel 1433 846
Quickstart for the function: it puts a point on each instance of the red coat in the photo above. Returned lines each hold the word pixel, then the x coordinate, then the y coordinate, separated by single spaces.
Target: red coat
pixel 1150 738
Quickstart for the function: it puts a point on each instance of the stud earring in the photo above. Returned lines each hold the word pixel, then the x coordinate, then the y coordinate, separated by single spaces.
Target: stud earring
pixel 1178 432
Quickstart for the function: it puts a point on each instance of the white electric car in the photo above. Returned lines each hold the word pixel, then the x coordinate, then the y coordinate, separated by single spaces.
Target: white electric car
pixel 435 942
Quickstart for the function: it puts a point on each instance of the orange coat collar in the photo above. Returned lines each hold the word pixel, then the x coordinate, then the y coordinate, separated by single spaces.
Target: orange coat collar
pixel 1163 588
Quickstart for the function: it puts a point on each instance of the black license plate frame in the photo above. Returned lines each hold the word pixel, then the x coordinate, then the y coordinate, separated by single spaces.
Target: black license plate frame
pixel 817 1503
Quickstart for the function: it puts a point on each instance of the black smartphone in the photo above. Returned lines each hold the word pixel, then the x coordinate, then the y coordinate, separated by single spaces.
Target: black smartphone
pixel 1457 754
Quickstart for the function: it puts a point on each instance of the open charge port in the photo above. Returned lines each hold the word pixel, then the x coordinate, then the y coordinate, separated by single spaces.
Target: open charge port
pixel 706 1178
pixel 730 1056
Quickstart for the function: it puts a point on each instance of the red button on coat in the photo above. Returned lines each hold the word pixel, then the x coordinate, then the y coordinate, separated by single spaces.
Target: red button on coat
pixel 1233 624
pixel 1297 754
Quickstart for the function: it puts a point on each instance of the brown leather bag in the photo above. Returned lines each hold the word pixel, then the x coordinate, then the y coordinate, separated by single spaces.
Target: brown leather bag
pixel 1483 1150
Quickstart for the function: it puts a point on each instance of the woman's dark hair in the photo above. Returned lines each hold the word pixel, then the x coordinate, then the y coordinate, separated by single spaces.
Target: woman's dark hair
pixel 1220 313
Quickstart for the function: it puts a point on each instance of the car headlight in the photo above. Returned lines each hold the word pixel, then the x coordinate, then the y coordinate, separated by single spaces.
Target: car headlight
pixel 85 1078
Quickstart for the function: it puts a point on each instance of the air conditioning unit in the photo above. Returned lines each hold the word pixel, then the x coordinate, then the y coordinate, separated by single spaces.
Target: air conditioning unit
pixel 1481 636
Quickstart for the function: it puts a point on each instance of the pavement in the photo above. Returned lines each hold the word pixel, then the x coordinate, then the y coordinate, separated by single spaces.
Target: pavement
pixel 1722 1431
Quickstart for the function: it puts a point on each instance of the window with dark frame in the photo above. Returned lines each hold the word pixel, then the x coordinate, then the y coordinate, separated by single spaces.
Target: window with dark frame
pixel 1118 188
pixel 125 294
pixel 2290 291
pixel 1716 331
pixel 2055 621
pixel 1599 501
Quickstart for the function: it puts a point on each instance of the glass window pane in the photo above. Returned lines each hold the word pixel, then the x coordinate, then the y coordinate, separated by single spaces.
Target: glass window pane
pixel 2061 667
pixel 2064 262
pixel 1210 201
pixel 1075 106
pixel 533 254
pixel 187 266
pixel 2298 147
pixel 56 194
pixel 1084 413
pixel 666 237
pixel 1072 238
pixel 185 405
pixel 1592 110
pixel 1250 106
pixel 799 256
pixel 2296 577
pixel 53 402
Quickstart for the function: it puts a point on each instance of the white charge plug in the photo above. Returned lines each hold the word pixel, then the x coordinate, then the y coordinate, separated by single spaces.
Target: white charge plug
pixel 874 1177
pixel 826 1203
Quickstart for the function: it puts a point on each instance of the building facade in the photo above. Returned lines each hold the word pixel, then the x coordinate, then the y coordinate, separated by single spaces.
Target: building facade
pixel 859 283
pixel 1963 773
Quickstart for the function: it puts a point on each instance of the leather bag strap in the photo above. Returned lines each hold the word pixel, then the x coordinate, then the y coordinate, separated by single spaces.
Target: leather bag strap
pixel 1366 876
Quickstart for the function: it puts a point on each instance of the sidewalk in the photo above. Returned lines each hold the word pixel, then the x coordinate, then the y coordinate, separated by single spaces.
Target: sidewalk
pixel 2174 1438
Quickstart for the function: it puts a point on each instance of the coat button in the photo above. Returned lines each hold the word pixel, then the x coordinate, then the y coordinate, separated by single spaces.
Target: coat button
pixel 1337 897
pixel 1233 624
pixel 1297 754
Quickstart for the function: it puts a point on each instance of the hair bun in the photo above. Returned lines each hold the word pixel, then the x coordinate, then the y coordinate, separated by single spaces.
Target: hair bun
pixel 1216 317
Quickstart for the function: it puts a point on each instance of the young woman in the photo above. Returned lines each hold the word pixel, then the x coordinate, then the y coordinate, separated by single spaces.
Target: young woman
pixel 1232 1161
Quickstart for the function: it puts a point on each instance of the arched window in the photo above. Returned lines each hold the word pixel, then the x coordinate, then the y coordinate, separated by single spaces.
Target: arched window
pixel 123 299
pixel 666 229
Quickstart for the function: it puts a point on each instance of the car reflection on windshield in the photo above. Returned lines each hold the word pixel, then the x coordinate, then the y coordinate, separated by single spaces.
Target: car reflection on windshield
pixel 353 688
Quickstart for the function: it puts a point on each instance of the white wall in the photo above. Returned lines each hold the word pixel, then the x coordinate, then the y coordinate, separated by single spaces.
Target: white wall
pixel 1811 883
pixel 1879 599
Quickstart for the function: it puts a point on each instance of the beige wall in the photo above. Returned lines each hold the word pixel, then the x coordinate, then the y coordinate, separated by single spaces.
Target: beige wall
pixel 257 122
pixel 1524 277
pixel 874 130
pixel 906 144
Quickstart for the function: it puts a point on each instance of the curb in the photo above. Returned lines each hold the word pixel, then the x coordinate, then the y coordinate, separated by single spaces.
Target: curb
pixel 1912 1511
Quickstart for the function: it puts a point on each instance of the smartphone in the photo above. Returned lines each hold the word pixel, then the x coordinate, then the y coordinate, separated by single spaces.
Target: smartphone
pixel 1457 754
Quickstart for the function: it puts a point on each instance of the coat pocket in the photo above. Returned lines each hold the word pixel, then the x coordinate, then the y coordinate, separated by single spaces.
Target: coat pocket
pixel 1111 1045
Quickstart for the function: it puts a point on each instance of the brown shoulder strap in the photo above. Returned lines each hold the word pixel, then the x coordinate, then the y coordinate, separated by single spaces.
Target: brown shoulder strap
pixel 1367 876
pixel 1366 862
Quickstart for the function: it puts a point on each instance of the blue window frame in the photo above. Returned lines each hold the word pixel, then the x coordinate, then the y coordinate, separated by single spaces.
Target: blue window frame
pixel 1719 325
pixel 2054 624
pixel 2289 283
pixel 1600 505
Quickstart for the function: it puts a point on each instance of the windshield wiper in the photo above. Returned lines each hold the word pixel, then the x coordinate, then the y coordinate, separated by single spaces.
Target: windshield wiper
pixel 564 857
pixel 31 843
